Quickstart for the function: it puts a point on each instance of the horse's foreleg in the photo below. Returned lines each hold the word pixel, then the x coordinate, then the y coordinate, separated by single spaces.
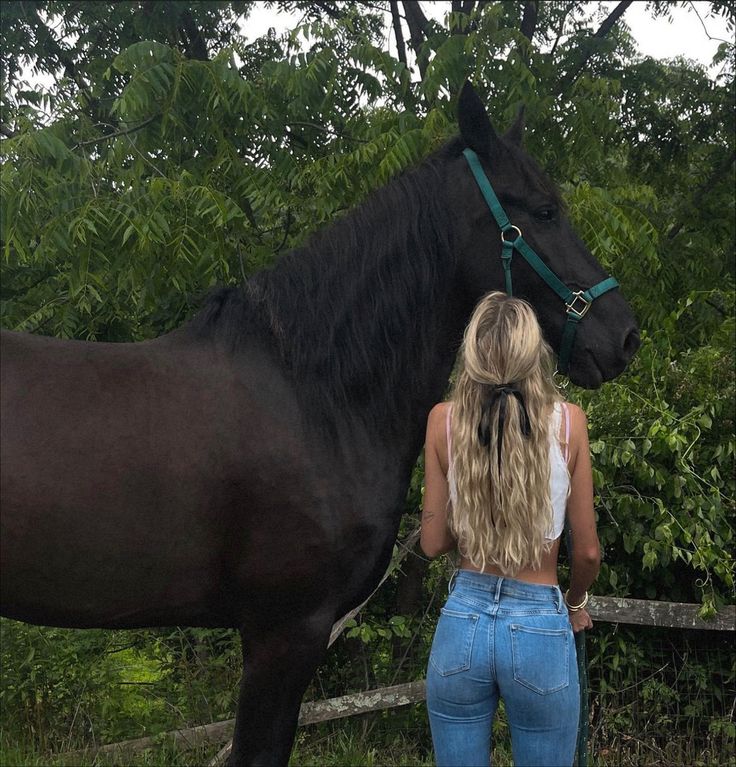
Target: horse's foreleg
pixel 277 667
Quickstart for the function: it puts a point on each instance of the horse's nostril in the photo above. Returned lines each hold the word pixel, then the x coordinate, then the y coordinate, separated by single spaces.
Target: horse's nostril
pixel 631 344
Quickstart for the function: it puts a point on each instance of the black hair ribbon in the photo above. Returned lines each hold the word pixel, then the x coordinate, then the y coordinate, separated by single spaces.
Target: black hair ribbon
pixel 500 393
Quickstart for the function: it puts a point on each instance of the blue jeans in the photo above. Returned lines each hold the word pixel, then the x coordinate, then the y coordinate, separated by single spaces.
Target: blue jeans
pixel 502 638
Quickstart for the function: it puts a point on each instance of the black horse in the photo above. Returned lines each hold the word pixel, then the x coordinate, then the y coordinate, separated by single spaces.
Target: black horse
pixel 249 469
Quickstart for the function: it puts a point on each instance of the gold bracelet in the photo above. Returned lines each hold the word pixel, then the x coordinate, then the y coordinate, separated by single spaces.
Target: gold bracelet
pixel 573 608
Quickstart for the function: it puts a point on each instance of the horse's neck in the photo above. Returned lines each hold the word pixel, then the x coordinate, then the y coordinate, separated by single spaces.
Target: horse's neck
pixel 431 388
pixel 369 331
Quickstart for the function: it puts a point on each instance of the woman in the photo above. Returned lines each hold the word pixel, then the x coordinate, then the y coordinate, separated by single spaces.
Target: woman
pixel 505 462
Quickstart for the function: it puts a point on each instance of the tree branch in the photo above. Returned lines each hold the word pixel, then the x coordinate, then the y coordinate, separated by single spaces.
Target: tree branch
pixel 612 18
pixel 705 29
pixel 117 133
pixel 562 28
pixel 589 43
pixel 418 26
pixel 51 45
pixel 329 9
pixel 196 45
pixel 337 134
pixel 398 32
pixel 529 20
pixel 465 7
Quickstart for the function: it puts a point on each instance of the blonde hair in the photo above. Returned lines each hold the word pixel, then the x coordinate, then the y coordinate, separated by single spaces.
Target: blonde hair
pixel 502 514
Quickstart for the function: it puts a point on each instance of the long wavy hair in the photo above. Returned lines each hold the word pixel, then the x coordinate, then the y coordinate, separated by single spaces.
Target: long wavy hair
pixel 503 509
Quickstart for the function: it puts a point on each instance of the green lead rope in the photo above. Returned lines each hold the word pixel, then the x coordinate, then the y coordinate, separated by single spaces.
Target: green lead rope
pixel 581 750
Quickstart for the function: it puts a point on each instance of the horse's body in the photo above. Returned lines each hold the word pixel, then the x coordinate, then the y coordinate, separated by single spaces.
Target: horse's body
pixel 249 469
pixel 171 443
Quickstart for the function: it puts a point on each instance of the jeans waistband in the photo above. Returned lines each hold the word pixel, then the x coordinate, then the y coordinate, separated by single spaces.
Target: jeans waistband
pixel 497 587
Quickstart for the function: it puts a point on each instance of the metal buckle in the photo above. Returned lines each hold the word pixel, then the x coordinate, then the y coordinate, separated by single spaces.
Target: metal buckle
pixel 511 229
pixel 573 309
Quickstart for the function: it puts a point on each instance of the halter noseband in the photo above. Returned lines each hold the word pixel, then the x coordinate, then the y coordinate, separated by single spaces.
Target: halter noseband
pixel 577 302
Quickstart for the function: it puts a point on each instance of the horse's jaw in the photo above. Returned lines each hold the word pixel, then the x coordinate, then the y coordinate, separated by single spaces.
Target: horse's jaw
pixel 588 371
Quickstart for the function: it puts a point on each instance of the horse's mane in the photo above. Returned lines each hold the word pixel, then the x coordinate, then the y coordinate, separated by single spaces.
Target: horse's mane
pixel 351 315
pixel 342 310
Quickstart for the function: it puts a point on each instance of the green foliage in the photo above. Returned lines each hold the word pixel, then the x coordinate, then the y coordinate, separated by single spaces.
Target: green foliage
pixel 663 455
pixel 661 696
pixel 59 681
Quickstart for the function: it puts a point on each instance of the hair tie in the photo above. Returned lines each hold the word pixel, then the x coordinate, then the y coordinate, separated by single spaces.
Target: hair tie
pixel 500 393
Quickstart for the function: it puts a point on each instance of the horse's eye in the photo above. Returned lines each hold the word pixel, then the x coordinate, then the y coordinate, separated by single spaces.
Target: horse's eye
pixel 546 214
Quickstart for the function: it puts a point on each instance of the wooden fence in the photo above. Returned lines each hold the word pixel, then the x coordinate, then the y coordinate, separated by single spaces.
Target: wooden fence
pixel 607 609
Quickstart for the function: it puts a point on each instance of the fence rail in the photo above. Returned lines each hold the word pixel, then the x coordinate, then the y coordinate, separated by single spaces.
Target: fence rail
pixel 643 612
pixel 310 713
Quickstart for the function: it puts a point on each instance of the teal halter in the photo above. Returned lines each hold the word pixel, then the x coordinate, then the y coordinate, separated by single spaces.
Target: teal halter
pixel 577 302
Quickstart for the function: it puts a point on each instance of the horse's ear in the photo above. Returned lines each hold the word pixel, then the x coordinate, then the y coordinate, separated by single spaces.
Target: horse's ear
pixel 515 134
pixel 475 127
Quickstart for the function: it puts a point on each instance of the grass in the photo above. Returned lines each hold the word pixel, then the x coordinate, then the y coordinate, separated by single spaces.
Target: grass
pixel 357 744
pixel 401 738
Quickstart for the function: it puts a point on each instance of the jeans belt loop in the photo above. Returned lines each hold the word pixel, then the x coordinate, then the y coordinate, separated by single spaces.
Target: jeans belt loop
pixel 451 584
pixel 499 584
pixel 560 600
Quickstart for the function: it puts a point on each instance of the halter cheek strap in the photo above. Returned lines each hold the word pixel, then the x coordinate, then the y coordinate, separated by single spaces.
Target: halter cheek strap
pixel 577 302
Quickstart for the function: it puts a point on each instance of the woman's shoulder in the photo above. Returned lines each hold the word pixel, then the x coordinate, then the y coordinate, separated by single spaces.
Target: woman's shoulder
pixel 578 434
pixel 439 411
pixel 577 414
pixel 437 418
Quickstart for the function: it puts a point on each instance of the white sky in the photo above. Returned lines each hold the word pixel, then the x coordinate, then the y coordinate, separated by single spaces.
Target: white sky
pixel 684 35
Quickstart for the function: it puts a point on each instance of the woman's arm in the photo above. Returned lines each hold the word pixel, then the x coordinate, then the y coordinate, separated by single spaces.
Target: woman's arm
pixel 436 538
pixel 586 552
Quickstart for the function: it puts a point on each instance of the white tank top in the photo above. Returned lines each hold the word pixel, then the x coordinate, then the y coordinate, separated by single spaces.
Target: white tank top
pixel 559 476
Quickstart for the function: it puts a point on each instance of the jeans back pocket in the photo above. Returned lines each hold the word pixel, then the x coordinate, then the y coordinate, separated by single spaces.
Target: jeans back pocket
pixel 452 647
pixel 541 657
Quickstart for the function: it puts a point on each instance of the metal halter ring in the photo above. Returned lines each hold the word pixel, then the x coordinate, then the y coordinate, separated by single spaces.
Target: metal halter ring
pixel 573 309
pixel 506 231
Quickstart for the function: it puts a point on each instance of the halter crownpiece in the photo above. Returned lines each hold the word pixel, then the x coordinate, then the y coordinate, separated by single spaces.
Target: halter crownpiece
pixel 577 302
